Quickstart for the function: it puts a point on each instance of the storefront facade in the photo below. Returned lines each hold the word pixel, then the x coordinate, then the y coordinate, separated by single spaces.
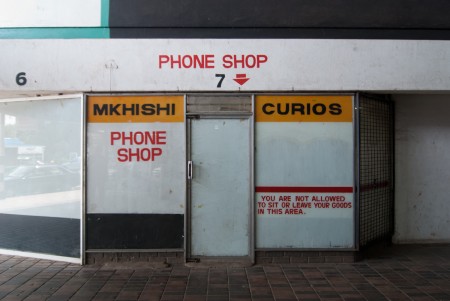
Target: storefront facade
pixel 186 177
pixel 125 139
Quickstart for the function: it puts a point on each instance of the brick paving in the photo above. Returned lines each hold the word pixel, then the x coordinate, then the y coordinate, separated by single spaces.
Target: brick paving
pixel 413 272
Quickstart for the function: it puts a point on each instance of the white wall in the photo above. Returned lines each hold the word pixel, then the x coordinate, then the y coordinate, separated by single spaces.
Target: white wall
pixel 422 168
pixel 50 13
pixel 290 65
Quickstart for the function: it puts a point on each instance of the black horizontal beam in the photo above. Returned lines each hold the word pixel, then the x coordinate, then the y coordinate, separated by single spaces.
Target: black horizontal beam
pixel 279 33
pixel 397 14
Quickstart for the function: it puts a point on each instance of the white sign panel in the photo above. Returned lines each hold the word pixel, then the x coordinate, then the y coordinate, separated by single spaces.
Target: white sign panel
pixel 136 154
pixel 223 65
pixel 304 172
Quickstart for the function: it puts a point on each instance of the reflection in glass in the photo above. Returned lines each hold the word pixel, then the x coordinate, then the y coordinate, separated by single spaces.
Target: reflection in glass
pixel 40 179
pixel 35 179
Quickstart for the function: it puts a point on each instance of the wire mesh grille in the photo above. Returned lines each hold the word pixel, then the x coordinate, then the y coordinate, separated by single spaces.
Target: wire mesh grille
pixel 376 174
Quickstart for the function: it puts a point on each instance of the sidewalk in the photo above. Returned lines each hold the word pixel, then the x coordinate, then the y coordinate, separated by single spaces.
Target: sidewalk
pixel 408 272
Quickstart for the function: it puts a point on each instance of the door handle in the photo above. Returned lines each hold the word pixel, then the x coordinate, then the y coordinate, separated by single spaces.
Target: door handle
pixel 190 170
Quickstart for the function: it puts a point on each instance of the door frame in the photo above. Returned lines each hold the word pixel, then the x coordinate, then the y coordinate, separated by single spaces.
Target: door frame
pixel 250 259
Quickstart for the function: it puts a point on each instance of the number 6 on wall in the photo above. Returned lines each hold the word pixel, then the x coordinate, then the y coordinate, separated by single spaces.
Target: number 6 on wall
pixel 21 80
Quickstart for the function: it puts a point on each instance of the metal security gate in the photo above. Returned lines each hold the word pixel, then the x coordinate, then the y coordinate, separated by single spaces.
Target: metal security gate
pixel 376 169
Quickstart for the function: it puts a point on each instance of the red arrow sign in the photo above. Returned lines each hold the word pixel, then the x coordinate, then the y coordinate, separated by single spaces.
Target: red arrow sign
pixel 241 78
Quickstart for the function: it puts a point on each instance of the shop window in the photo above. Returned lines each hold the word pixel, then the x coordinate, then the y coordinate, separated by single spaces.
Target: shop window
pixel 41 196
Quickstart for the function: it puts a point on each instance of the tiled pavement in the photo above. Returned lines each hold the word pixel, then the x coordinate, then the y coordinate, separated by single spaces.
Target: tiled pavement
pixel 397 273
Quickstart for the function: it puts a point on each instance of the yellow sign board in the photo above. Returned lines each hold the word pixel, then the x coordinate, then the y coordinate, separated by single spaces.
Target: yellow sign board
pixel 135 109
pixel 304 108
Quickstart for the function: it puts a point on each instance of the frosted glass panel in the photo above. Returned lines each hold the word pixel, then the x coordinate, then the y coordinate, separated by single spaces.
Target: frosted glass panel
pixel 220 187
pixel 304 162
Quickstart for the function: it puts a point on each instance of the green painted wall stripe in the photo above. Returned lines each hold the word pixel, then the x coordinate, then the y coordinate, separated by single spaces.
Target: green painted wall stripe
pixel 55 33
pixel 105 13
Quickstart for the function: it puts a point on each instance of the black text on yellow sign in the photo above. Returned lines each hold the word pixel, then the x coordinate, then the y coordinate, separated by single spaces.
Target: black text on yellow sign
pixel 126 109
pixel 304 108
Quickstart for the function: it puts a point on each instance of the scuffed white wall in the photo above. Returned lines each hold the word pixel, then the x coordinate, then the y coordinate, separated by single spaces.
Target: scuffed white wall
pixel 50 13
pixel 117 65
pixel 422 154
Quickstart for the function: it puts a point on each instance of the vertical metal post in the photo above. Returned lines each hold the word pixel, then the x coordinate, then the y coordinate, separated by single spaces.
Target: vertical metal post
pixel 252 225
pixel 187 215
pixel 356 127
pixel 83 179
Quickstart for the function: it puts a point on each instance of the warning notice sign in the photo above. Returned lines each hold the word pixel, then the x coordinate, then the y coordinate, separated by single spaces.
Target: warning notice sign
pixel 305 159
pixel 299 200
